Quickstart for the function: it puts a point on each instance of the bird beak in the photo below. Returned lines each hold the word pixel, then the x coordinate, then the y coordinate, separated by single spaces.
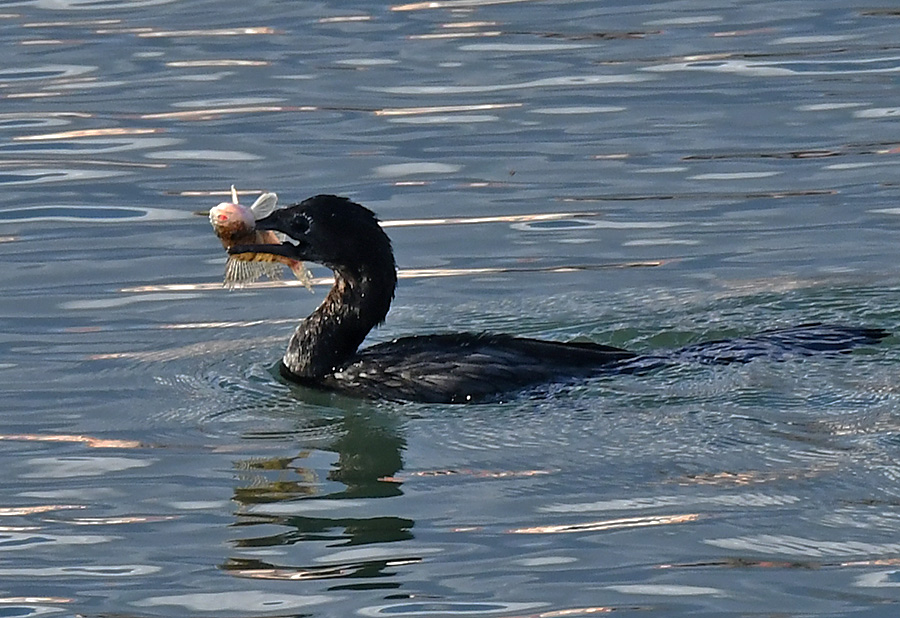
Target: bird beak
pixel 274 222
pixel 251 253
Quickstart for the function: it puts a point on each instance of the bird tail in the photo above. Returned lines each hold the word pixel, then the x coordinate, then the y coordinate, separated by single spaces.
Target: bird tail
pixel 782 344
pixel 779 344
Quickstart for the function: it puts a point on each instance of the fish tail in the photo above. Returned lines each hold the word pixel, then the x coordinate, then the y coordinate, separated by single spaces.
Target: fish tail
pixel 239 273
pixel 302 273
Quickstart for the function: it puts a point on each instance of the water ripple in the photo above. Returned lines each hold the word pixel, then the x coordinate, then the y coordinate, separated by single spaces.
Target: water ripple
pixel 788 545
pixel 91 214
pixel 45 72
pixel 890 64
pixel 29 541
pixel 451 608
pixel 66 572
pixel 102 5
pixel 549 82
pixel 40 175
pixel 203 155
pixel 406 169
pixel 659 501
pixel 237 600
pixel 80 466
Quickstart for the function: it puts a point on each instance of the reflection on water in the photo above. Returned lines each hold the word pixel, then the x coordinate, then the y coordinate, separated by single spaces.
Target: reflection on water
pixel 278 492
pixel 644 176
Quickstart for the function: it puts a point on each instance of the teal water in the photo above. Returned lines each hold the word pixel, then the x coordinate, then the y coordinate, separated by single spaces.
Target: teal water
pixel 645 175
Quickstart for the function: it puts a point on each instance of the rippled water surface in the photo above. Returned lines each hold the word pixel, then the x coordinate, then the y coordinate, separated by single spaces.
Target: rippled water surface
pixel 639 174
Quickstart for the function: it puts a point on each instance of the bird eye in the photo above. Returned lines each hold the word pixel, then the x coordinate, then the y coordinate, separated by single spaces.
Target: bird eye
pixel 301 224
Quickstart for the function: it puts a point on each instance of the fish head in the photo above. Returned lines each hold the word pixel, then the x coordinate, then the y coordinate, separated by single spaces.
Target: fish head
pixel 232 221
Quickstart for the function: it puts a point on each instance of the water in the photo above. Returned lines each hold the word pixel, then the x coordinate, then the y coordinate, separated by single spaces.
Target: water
pixel 712 169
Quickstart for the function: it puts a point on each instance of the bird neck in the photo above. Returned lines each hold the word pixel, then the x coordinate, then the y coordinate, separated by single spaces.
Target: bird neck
pixel 330 336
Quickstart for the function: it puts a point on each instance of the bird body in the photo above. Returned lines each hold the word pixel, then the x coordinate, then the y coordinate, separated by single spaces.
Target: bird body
pixel 324 353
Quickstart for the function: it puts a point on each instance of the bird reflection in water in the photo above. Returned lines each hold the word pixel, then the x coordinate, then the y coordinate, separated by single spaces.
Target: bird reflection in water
pixel 369 450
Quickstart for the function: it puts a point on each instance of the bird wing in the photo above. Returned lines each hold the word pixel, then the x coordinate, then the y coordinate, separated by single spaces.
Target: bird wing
pixel 467 367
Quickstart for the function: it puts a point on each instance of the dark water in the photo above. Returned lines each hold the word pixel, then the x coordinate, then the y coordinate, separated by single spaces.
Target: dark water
pixel 717 168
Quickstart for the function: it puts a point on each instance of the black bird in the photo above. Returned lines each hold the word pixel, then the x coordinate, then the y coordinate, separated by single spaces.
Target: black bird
pixel 324 350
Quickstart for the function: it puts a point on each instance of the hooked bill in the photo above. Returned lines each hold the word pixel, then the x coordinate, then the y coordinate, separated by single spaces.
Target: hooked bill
pixel 235 224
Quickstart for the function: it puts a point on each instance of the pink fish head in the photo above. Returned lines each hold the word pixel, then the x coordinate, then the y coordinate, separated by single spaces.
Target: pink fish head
pixel 232 221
